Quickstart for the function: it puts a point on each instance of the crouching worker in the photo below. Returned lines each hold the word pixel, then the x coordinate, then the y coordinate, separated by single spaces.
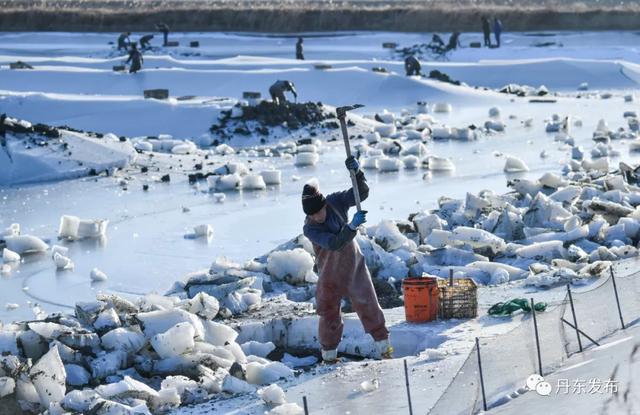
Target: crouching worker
pixel 123 40
pixel 341 266
pixel 145 41
pixel 412 66
pixel 278 89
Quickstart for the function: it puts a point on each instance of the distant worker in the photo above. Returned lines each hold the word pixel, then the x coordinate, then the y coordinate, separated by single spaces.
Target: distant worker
pixel 135 57
pixel 342 270
pixel 497 30
pixel 123 41
pixel 436 41
pixel 486 31
pixel 162 27
pixel 278 89
pixel 299 52
pixel 454 41
pixel 412 66
pixel 144 42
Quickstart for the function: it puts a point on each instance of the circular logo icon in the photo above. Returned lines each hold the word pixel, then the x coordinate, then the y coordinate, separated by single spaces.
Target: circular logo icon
pixel 543 388
pixel 533 380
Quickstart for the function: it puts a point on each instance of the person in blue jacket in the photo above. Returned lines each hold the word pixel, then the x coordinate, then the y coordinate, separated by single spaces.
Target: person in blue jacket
pixel 342 271
pixel 497 30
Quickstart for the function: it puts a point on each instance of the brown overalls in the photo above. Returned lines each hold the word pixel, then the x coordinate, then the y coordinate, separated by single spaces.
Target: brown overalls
pixel 343 273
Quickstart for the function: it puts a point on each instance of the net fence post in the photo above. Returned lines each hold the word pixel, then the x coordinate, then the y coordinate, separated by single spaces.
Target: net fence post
pixel 535 327
pixel 484 397
pixel 575 320
pixel 406 379
pixel 615 290
pixel 304 403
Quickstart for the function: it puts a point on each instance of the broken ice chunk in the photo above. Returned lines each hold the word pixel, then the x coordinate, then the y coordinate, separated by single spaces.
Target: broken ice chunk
pixel 58 249
pixel 219 197
pixel 218 334
pixel 123 339
pixel 107 364
pixel 7 386
pixel 293 361
pixel 76 375
pixel 72 227
pixel 203 305
pixel 202 231
pixel 234 385
pixel 22 244
pixel 62 262
pixel 10 256
pixel 49 378
pixel 255 348
pixel 272 394
pixel 8 342
pixel 259 374
pixel 175 341
pixel 286 409
pixel 306 159
pixel 369 385
pixel 253 182
pixel 514 165
pixel 440 164
pixel 97 275
pixel 291 266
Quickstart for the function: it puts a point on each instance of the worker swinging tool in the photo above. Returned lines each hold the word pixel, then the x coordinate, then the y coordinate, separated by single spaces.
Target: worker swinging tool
pixel 341 266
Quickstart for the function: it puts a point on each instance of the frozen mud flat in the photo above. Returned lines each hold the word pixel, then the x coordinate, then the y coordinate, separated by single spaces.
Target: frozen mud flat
pixel 534 236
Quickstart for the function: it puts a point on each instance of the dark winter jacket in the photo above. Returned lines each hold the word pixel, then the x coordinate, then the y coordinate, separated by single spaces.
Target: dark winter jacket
pixel 144 40
pixel 486 26
pixel 136 59
pixel 299 51
pixel 282 86
pixel 412 66
pixel 334 233
pixel 123 41
pixel 497 27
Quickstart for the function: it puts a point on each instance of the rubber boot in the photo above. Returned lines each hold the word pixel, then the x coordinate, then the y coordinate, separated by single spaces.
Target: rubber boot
pixel 384 349
pixel 330 356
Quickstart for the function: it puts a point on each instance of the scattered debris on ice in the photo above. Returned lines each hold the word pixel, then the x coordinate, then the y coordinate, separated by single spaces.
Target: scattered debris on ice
pixel 514 165
pixel 10 256
pixel 97 275
pixel 272 394
pixel 369 385
pixel 73 228
pixel 293 266
pixel 62 262
pixel 23 244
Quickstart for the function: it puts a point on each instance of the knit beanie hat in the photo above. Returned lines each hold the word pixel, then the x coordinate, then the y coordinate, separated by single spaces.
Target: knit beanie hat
pixel 312 199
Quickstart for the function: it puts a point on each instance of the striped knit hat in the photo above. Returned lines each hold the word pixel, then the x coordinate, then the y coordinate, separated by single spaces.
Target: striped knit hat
pixel 312 199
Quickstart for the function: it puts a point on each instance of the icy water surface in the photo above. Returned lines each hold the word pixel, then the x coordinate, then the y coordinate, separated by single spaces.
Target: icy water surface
pixel 145 249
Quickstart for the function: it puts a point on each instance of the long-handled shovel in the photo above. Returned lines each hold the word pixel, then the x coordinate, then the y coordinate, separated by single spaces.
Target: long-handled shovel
pixel 341 112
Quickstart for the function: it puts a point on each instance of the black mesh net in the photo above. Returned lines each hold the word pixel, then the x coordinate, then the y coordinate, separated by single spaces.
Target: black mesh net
pixel 508 359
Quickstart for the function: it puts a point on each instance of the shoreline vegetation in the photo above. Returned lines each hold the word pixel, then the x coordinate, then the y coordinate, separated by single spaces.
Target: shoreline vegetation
pixel 282 16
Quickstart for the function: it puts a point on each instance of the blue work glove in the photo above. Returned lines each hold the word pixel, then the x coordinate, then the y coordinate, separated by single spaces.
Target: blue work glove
pixel 359 218
pixel 352 164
